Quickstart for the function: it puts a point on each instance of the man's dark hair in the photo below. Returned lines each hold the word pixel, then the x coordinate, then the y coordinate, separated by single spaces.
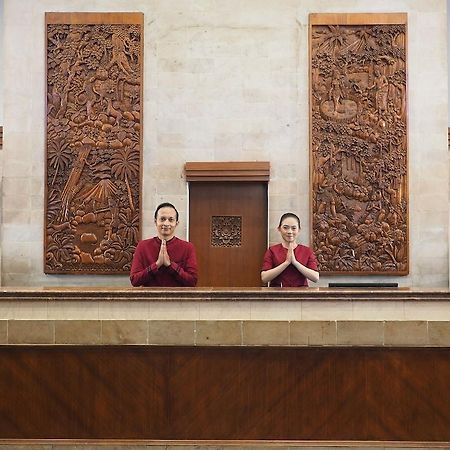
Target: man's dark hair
pixel 289 214
pixel 166 205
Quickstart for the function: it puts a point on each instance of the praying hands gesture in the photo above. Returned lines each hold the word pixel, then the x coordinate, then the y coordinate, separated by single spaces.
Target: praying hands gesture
pixel 306 271
pixel 163 257
pixel 290 256
pixel 274 265
pixel 269 275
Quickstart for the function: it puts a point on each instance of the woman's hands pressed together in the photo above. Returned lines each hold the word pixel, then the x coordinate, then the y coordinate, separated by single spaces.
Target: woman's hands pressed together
pixel 290 256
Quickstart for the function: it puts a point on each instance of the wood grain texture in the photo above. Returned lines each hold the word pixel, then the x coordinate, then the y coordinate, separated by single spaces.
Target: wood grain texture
pixel 210 204
pixel 228 171
pixel 94 18
pixel 357 18
pixel 175 393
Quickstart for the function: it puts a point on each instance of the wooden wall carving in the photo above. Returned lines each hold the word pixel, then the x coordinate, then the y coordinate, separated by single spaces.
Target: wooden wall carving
pixel 226 231
pixel 94 141
pixel 358 143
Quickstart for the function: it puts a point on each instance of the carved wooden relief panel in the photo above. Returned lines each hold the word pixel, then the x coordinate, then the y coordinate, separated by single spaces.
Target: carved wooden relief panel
pixel 358 143
pixel 226 231
pixel 94 141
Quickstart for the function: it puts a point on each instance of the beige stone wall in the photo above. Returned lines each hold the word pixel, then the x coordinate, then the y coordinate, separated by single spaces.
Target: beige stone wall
pixel 224 80
pixel 301 310
pixel 1 203
pixel 419 333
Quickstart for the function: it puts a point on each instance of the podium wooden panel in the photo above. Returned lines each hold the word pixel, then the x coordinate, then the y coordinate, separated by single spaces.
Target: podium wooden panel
pixel 225 393
pixel 228 221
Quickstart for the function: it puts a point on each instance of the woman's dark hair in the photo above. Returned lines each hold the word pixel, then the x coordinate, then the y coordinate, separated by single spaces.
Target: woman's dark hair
pixel 289 214
pixel 166 205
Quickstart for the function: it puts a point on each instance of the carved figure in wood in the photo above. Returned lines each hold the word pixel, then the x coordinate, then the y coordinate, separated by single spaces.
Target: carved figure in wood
pixel 359 148
pixel 92 219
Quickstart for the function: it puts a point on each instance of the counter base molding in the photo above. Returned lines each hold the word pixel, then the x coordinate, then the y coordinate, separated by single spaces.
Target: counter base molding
pixel 225 393
pixel 138 444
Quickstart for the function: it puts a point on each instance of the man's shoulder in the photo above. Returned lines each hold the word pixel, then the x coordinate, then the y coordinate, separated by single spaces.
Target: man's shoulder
pixel 183 243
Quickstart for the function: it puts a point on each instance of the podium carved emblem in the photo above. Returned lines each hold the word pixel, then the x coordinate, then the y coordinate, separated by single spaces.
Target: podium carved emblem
pixel 226 231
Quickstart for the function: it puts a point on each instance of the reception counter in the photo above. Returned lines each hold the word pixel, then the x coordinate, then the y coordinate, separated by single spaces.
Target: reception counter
pixel 205 316
pixel 224 367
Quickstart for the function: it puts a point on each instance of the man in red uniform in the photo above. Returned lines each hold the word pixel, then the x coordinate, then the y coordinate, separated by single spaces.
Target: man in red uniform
pixel 164 260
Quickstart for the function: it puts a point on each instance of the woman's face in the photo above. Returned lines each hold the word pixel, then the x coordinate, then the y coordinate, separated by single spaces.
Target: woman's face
pixel 289 229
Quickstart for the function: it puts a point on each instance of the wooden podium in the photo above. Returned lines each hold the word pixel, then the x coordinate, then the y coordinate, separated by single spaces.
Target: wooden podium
pixel 228 220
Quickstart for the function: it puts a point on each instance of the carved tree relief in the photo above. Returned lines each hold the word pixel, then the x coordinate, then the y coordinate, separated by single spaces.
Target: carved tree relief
pixel 359 143
pixel 94 143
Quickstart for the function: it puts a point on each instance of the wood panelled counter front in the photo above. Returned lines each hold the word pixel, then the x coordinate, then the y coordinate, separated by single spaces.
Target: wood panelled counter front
pixel 185 393
pixel 225 364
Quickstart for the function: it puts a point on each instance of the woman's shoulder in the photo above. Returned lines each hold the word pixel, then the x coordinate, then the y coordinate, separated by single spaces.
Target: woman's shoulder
pixel 275 248
pixel 304 248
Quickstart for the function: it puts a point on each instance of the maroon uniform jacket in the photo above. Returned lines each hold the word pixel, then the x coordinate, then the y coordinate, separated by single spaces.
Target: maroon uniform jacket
pixel 290 277
pixel 181 272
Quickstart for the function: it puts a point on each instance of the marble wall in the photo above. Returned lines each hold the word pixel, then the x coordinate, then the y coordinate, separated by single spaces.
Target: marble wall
pixel 224 80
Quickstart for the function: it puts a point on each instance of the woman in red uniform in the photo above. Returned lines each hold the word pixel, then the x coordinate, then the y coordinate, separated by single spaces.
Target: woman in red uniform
pixel 289 264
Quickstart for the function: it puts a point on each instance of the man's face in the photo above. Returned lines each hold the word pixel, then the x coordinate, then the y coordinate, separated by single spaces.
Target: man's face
pixel 166 222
